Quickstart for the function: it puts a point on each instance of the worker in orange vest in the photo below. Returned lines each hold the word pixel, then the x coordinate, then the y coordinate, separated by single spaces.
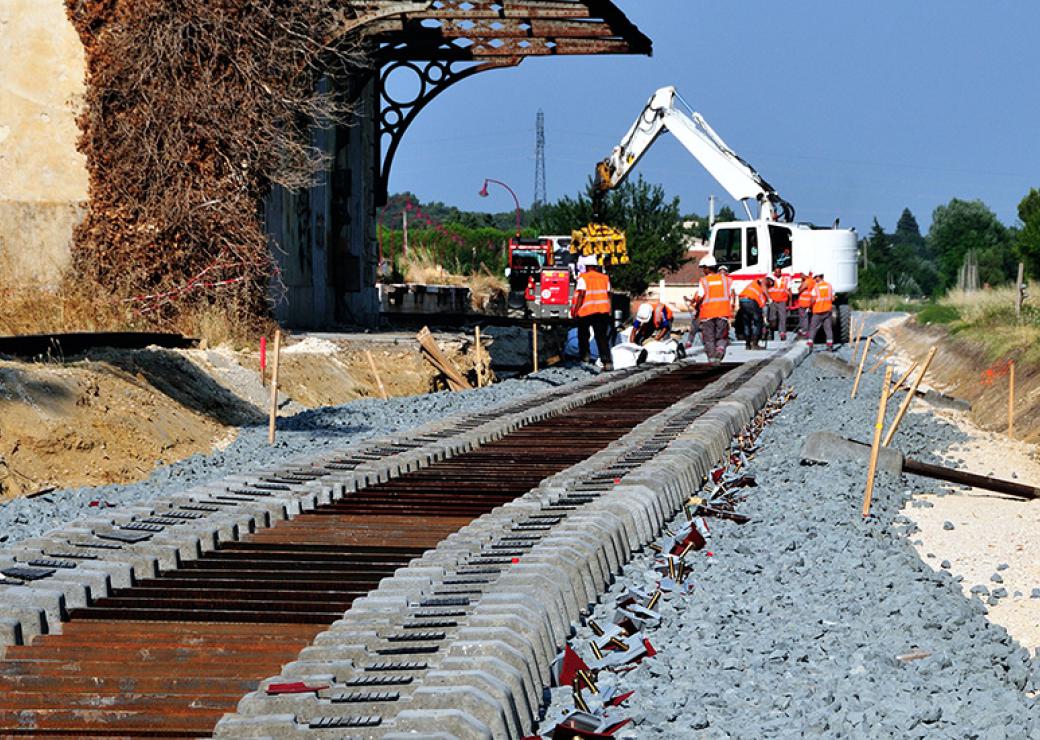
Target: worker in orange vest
pixel 805 305
pixel 652 322
pixel 752 305
pixel 591 308
pixel 714 304
pixel 823 303
pixel 779 288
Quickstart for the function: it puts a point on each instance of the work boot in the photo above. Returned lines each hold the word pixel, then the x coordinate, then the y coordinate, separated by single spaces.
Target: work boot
pixel 747 344
pixel 809 345
pixel 830 347
pixel 608 366
pixel 783 336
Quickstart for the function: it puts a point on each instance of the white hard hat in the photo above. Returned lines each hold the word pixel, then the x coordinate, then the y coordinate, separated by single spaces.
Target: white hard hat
pixel 589 260
pixel 708 261
pixel 645 312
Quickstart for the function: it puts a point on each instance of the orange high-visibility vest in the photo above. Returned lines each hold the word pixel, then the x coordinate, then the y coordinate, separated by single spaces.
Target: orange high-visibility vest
pixel 754 292
pixel 662 314
pixel 780 292
pixel 716 303
pixel 597 294
pixel 823 297
pixel 805 294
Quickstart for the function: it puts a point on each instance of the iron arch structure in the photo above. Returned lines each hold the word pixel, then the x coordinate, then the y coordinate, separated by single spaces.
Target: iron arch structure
pixel 328 235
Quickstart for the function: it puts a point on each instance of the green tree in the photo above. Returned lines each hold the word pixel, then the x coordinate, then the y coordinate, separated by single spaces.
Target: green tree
pixel 878 247
pixel 1027 240
pixel 652 223
pixel 908 231
pixel 961 226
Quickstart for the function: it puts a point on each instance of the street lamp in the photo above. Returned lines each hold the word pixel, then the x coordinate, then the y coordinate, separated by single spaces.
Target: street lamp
pixel 484 193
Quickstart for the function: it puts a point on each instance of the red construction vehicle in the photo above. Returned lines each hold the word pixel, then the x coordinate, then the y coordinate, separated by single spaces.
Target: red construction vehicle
pixel 540 277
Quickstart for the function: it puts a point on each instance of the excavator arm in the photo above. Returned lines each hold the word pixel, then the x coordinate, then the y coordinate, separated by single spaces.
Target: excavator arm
pixel 735 175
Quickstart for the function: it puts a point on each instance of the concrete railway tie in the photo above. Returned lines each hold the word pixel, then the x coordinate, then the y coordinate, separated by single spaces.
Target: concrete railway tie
pixel 423 581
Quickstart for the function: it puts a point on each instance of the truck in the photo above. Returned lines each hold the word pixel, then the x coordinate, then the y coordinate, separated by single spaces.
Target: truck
pixel 541 277
pixel 770 237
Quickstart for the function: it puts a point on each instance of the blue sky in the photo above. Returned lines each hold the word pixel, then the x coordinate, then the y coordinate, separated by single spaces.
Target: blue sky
pixel 850 110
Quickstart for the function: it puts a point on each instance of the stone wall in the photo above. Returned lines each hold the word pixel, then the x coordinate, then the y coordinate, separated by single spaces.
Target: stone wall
pixel 43 179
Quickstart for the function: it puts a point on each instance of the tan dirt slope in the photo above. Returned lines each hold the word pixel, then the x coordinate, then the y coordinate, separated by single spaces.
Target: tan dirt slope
pixel 116 416
pixel 962 371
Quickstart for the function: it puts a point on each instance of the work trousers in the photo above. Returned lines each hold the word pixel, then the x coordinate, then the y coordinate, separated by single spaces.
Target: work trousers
pixel 715 334
pixel 778 313
pixel 751 320
pixel 600 325
pixel 827 322
pixel 804 315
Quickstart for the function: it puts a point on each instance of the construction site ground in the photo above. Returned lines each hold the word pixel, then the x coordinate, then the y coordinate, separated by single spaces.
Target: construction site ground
pixel 115 416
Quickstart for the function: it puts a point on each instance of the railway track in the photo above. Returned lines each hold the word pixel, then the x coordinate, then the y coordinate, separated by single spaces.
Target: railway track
pixel 168 653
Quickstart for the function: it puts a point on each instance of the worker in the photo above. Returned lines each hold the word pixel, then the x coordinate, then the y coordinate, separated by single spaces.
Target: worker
pixel 591 308
pixel 752 305
pixel 779 288
pixel 652 322
pixel 805 305
pixel 714 304
pixel 823 302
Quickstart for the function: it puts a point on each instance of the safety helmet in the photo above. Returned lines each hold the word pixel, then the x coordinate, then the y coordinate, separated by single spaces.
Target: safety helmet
pixel 588 260
pixel 645 312
pixel 708 261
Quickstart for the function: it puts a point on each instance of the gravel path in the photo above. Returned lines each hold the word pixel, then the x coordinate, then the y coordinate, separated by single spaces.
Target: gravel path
pixel 307 433
pixel 796 621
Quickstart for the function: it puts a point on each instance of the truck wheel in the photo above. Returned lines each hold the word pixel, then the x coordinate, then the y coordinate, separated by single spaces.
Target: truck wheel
pixel 844 323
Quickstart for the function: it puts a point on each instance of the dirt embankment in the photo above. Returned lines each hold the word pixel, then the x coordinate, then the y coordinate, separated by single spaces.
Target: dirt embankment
pixel 116 416
pixel 962 370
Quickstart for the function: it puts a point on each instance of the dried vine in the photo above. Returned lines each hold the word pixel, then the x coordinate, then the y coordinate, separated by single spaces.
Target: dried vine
pixel 193 109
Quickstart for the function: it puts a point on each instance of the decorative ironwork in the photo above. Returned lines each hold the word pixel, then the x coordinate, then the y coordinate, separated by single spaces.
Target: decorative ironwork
pixel 441 42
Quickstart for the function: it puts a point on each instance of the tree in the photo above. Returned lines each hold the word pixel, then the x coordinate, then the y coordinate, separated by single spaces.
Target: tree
pixel 908 232
pixel 879 245
pixel 1027 240
pixel 961 226
pixel 652 222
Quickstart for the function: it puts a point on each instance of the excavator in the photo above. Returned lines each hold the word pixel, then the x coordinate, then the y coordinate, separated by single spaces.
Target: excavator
pixel 770 237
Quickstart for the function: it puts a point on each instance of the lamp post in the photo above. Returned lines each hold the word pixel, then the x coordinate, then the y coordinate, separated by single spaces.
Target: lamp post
pixel 484 193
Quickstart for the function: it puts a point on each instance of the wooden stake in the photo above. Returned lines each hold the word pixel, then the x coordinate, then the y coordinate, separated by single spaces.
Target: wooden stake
pixel 534 344
pixel 1018 290
pixel 274 387
pixel 476 349
pixel 860 325
pixel 375 372
pixel 1011 399
pixel 899 383
pixel 875 448
pixel 263 362
pixel 888 353
pixel 862 361
pixel 456 380
pixel 909 398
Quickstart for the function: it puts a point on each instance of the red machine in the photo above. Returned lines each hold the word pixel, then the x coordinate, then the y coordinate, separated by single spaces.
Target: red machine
pixel 540 279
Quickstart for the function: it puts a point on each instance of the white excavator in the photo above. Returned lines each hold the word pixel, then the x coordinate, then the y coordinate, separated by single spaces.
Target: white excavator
pixel 770 237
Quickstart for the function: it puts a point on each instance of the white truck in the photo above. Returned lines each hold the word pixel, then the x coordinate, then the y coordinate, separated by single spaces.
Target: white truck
pixel 769 238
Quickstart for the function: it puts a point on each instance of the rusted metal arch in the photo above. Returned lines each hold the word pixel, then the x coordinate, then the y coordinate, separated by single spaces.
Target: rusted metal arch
pixel 442 42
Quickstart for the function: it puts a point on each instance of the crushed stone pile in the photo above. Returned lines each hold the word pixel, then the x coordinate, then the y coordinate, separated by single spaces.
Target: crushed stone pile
pixel 810 621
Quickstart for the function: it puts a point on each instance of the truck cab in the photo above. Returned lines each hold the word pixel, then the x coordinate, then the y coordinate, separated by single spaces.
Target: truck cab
pixel 752 249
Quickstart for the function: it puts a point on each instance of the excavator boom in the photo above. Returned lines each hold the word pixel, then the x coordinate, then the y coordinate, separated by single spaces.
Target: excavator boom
pixel 734 174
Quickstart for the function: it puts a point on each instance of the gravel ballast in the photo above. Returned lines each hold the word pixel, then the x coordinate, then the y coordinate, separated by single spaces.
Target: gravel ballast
pixel 810 621
pixel 305 434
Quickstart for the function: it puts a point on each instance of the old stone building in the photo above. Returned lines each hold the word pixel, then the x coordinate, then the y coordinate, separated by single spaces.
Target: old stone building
pixel 324 239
